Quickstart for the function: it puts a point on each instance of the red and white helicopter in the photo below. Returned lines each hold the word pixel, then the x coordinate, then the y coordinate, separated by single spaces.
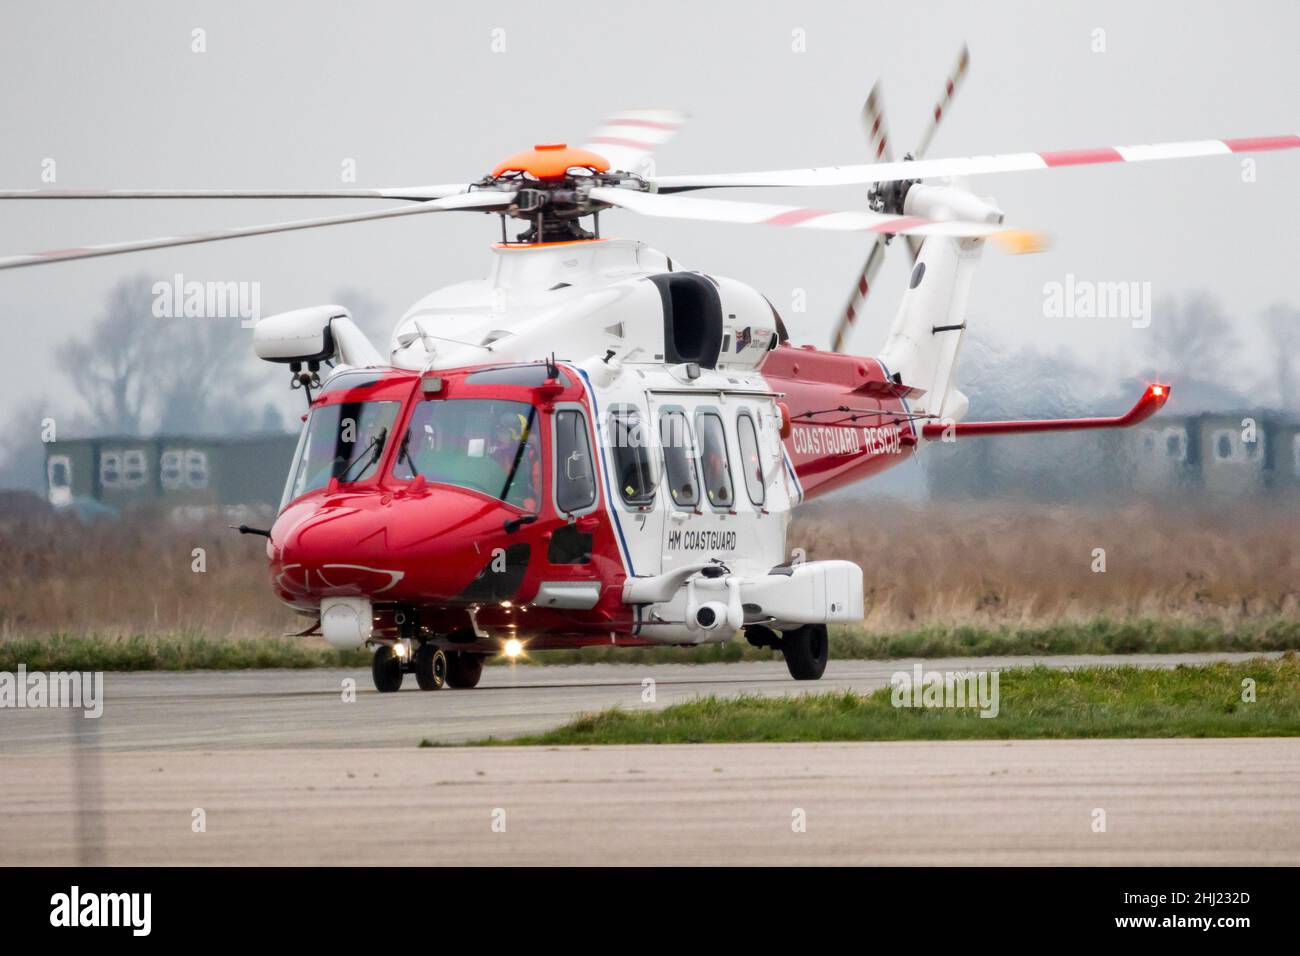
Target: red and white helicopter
pixel 596 445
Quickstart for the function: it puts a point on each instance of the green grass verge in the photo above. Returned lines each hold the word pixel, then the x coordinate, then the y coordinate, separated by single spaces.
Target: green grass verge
pixel 1186 701
pixel 64 653
pixel 195 652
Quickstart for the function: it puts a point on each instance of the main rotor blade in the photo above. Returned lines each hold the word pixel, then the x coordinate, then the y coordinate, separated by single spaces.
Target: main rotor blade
pixel 395 192
pixel 485 201
pixel 975 165
pixel 950 88
pixel 629 139
pixel 750 213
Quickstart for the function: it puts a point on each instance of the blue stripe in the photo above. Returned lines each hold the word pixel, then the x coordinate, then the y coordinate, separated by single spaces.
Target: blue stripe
pixel 609 491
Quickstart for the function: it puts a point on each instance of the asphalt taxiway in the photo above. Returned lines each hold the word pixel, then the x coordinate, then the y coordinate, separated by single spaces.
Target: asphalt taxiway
pixel 290 767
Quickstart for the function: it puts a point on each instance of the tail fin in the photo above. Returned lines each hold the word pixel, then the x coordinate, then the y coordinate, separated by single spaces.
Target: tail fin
pixel 927 332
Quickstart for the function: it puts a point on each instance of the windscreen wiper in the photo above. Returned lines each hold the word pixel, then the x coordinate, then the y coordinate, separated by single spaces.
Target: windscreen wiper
pixel 369 454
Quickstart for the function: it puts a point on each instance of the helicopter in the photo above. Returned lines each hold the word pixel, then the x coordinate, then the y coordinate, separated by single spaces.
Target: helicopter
pixel 595 445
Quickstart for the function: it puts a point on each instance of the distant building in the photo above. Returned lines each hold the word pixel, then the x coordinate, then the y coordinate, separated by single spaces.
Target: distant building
pixel 1237 453
pixel 116 473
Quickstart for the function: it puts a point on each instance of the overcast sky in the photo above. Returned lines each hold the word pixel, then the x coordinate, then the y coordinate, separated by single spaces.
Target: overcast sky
pixel 414 93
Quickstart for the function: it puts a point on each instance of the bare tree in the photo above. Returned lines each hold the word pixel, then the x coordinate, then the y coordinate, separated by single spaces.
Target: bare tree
pixel 1186 335
pixel 137 372
pixel 110 365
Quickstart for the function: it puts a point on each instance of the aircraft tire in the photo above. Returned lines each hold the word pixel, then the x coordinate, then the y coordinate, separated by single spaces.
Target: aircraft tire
pixel 806 650
pixel 430 667
pixel 464 669
pixel 386 669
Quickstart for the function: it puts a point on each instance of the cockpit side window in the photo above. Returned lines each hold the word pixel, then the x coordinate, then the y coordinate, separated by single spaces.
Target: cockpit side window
pixel 575 483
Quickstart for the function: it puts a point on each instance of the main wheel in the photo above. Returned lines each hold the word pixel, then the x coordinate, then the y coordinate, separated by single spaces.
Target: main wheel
pixel 806 650
pixel 464 669
pixel 386 669
pixel 430 667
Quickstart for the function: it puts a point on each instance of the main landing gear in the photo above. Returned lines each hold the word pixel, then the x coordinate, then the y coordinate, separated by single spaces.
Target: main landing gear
pixel 805 648
pixel 433 668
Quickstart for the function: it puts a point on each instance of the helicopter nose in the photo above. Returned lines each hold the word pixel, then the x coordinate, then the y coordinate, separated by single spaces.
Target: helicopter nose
pixel 389 547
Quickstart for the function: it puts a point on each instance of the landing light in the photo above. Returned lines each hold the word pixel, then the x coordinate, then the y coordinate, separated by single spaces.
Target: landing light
pixel 513 648
pixel 399 648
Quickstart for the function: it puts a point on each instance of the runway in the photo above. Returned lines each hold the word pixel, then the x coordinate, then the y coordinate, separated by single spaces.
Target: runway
pixel 276 767
pixel 1189 802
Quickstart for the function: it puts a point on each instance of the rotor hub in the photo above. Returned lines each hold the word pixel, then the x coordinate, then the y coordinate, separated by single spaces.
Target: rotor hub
pixel 551 182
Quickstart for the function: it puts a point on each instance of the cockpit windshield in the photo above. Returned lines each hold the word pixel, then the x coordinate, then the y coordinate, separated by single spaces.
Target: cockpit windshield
pixel 345 440
pixel 487 445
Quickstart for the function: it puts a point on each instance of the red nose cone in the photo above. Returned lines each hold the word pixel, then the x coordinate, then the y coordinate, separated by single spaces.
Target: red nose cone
pixel 389 547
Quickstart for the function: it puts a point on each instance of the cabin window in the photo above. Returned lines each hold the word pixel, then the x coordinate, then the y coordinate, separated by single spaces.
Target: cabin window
pixel 715 460
pixel 1223 446
pixel 631 458
pixel 575 483
pixel 679 459
pixel 751 463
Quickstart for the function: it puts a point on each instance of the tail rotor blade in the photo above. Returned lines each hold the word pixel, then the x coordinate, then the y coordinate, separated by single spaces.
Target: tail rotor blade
pixel 873 123
pixel 950 88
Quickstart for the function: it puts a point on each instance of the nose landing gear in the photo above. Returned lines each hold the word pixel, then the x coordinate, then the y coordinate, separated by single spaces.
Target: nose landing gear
pixel 433 669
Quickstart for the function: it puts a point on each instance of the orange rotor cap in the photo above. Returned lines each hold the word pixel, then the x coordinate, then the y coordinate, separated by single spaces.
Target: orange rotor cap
pixel 551 161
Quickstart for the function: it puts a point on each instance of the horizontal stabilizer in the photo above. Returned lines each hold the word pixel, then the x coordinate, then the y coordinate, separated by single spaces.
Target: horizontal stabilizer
pixel 1152 400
